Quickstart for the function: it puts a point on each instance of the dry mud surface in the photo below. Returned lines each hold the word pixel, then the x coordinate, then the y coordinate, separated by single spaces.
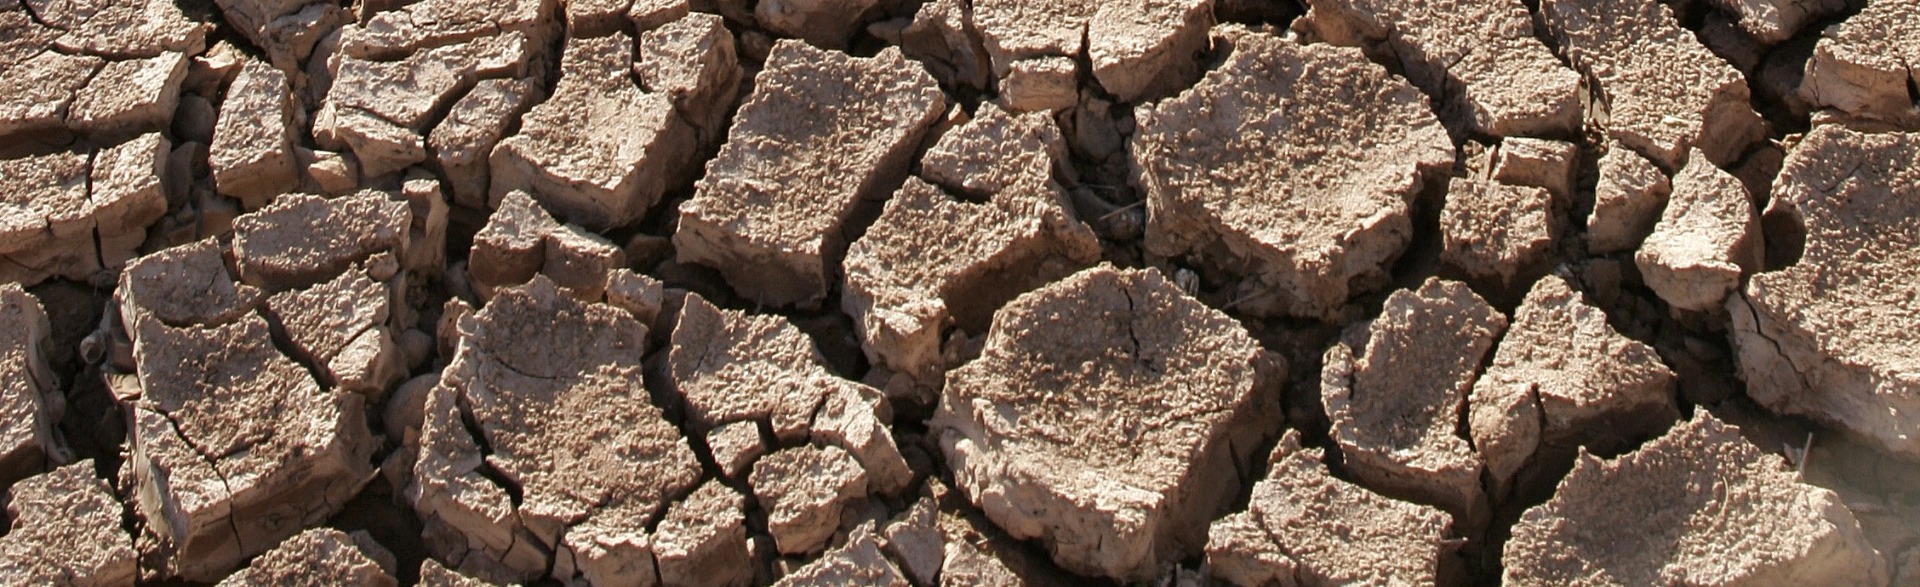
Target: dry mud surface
pixel 960 292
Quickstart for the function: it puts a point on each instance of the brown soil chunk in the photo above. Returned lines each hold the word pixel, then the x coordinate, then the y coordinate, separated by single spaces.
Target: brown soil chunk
pixel 1698 506
pixel 182 286
pixel 731 367
pixel 434 574
pixel 1773 21
pixel 252 153
pixel 702 542
pixel 1117 460
pixel 286 30
pixel 381 109
pixel 65 530
pixel 1300 211
pixel 1665 93
pixel 912 275
pixel 858 562
pixel 130 97
pixel 1831 336
pixel 1479 57
pixel 804 491
pixel 543 402
pixel 1707 238
pixel 1563 376
pixel 129 29
pixel 1305 527
pixel 828 24
pixel 1627 201
pixel 1139 49
pixel 1867 65
pixel 343 328
pixel 317 557
pixel 1396 386
pixel 1495 230
pixel 73 214
pixel 822 136
pixel 614 176
pixel 30 404
pixel 234 446
pixel 461 144
pixel 36 92
pixel 301 240
pixel 405 30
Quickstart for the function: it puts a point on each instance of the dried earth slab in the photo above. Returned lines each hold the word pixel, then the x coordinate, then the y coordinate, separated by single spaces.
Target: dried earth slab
pixel 75 214
pixel 858 562
pixel 1303 526
pixel 1497 231
pixel 1288 171
pixel 913 276
pixel 65 529
pixel 460 145
pixel 1868 65
pixel 383 110
pixel 234 446
pixel 804 491
pixel 38 90
pixel 702 541
pixel 404 30
pixel 728 367
pixel 823 136
pixel 1707 238
pixel 301 240
pixel 1563 376
pixel 285 30
pixel 321 556
pixel 1394 390
pixel 647 134
pixel 30 400
pixel 252 156
pixel 1697 506
pixel 1663 92
pixel 520 240
pixel 1478 58
pixel 1830 337
pixel 1628 200
pixel 1109 417
pixel 123 30
pixel 1138 49
pixel 541 455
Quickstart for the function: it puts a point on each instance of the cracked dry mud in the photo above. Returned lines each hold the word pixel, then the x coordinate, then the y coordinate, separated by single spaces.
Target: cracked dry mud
pixel 929 293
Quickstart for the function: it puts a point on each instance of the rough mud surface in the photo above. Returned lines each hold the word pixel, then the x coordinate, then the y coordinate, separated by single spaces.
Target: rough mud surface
pixel 929 293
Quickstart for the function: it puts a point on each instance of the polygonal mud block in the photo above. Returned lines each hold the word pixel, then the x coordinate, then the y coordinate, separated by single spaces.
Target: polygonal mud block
pixel 561 422
pixel 614 176
pixel 252 156
pixel 37 92
pixel 65 529
pixel 1708 237
pixel 1698 506
pixel 804 490
pixel 127 30
pixel 382 109
pixel 1539 163
pixel 29 436
pixel 1830 337
pixel 342 327
pixel 404 30
pixel 1297 212
pixel 1303 526
pixel 1627 201
pixel 1139 50
pixel 181 286
pixel 1116 462
pixel 776 244
pixel 1865 65
pixel 1774 21
pixel 1665 93
pixel 460 145
pixel 728 366
pixel 301 240
pixel 512 247
pixel 1494 77
pixel 130 97
pixel 234 447
pixel 1495 230
pixel 1394 390
pixel 858 562
pixel 1563 376
pixel 321 556
pixel 702 542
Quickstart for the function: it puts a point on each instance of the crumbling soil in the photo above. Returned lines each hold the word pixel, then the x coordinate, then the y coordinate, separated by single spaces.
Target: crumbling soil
pixel 924 293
